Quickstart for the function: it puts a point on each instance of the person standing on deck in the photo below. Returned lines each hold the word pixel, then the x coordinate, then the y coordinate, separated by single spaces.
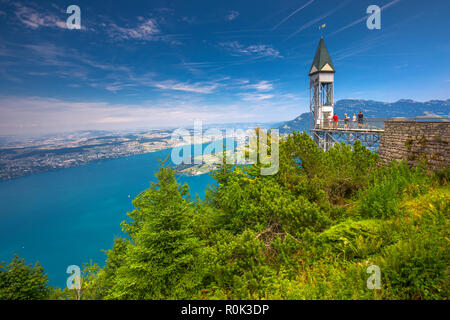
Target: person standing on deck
pixel 354 121
pixel 346 120
pixel 360 119
pixel 335 119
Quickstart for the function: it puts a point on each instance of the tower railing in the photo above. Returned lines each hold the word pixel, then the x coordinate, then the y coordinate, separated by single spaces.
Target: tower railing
pixel 369 124
pixel 342 125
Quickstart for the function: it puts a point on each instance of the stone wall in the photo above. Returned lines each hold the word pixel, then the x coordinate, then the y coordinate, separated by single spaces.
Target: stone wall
pixel 416 141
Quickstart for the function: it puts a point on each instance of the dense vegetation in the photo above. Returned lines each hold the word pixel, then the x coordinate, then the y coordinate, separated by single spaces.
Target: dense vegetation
pixel 308 232
pixel 19 281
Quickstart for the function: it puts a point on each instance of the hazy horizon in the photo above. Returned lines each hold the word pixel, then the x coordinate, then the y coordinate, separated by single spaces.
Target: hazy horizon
pixel 159 65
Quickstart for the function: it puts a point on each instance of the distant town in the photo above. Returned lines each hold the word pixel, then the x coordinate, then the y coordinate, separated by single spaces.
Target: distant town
pixel 51 153
pixel 25 156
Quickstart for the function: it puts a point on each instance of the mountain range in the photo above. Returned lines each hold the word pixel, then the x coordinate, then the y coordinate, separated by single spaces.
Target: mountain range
pixel 375 109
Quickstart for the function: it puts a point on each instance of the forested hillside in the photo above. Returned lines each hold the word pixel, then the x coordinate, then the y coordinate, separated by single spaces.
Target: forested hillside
pixel 308 232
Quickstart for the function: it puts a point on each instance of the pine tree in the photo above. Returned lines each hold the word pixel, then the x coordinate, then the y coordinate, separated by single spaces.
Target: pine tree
pixel 160 262
pixel 19 281
pixel 223 168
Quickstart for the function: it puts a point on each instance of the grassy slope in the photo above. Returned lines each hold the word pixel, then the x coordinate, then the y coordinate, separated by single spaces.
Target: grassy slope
pixel 411 250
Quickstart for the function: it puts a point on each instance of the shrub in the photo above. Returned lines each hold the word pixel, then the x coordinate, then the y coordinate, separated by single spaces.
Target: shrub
pixel 382 198
pixel 417 268
pixel 19 281
pixel 442 176
pixel 356 239
pixel 238 266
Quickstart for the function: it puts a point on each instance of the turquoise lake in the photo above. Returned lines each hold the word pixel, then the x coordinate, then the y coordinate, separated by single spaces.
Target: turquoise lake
pixel 66 217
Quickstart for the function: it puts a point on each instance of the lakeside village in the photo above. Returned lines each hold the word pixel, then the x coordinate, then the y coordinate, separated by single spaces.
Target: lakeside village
pixel 17 160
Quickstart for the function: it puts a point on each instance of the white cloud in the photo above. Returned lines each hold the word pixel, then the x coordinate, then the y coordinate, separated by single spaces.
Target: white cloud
pixel 197 87
pixel 364 18
pixel 319 19
pixel 117 86
pixel 147 30
pixel 233 15
pixel 37 115
pixel 35 19
pixel 241 81
pixel 293 13
pixel 254 97
pixel 262 50
pixel 188 19
pixel 260 86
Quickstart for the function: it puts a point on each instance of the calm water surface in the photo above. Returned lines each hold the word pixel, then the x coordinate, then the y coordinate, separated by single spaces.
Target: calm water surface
pixel 68 216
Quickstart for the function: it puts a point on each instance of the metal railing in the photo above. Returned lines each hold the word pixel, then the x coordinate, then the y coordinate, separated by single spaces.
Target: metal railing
pixel 366 124
pixel 370 124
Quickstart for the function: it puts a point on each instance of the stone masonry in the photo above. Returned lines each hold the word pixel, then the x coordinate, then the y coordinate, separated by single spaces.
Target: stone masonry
pixel 416 141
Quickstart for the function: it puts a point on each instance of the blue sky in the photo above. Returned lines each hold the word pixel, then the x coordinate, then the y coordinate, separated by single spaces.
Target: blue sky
pixel 145 64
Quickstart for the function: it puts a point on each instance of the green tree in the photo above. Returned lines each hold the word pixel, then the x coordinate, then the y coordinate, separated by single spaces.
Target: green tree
pixel 161 261
pixel 19 281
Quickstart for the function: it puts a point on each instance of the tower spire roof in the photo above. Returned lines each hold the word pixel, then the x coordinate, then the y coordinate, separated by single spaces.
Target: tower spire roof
pixel 322 61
